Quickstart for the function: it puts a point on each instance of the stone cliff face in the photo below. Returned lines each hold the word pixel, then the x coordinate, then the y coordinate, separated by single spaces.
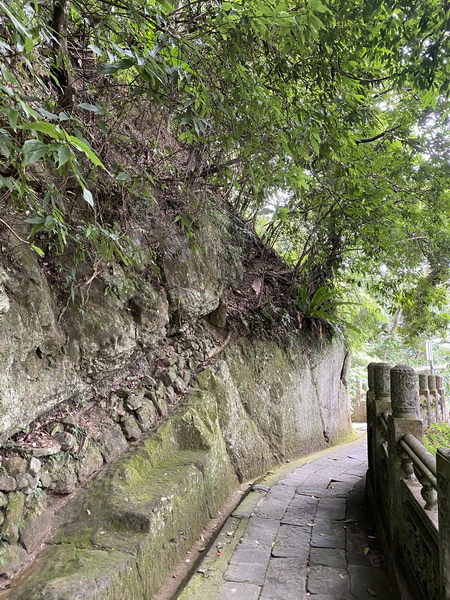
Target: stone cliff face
pixel 111 370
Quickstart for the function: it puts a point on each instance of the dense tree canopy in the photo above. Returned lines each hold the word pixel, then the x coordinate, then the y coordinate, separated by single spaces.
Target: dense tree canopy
pixel 323 123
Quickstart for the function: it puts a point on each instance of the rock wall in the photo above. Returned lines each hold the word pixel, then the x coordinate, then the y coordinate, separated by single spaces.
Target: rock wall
pixel 120 536
pixel 133 383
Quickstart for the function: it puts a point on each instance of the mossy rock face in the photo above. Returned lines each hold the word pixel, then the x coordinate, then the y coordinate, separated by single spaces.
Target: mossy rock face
pixel 47 357
pixel 118 538
pixel 13 517
pixel 122 534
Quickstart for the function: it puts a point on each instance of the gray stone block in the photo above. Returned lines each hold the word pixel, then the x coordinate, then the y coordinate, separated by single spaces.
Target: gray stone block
pixel 292 541
pixel 285 580
pixel 239 591
pixel 301 511
pixel 332 508
pixel 328 557
pixel 272 508
pixel 328 580
pixel 246 573
pixel 328 534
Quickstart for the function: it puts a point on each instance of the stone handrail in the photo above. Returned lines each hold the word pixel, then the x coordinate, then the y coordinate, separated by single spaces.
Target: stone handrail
pixel 409 489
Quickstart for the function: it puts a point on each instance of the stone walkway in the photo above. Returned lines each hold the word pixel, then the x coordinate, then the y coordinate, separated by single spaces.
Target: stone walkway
pixel 307 535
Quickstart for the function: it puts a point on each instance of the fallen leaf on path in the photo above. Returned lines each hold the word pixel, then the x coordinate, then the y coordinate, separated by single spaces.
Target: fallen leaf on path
pixel 366 550
pixel 371 592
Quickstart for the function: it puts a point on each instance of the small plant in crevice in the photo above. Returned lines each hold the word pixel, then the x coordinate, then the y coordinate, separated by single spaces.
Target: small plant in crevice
pixel 319 311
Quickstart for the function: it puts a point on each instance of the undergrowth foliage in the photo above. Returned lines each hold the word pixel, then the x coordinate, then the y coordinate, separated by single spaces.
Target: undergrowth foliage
pixel 323 124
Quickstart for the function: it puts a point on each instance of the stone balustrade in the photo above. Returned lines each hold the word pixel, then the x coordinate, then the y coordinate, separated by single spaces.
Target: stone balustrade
pixel 409 488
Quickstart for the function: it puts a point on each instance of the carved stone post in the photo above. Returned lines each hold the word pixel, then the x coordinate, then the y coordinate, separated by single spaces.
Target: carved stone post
pixel 404 419
pixel 405 403
pixel 424 396
pixel 370 417
pixel 381 403
pixel 441 392
pixel 434 398
pixel 443 479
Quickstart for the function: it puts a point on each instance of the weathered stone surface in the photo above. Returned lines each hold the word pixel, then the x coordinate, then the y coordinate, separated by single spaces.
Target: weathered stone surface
pixel 36 526
pixel 301 511
pixel 13 517
pixel 103 536
pixel 64 483
pixel 67 441
pixel 11 558
pixel 285 580
pixel 134 400
pixel 46 451
pixel 89 463
pixel 272 508
pixel 292 542
pixel 3 500
pixel 328 557
pixel 239 591
pixel 7 483
pixel 131 428
pixel 113 443
pixel 179 385
pixel 328 534
pixel 146 415
pixel 171 395
pixel 26 482
pixel 34 466
pixel 15 465
pixel 328 580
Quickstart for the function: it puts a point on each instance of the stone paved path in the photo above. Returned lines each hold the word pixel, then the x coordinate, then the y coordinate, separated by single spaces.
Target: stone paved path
pixel 307 535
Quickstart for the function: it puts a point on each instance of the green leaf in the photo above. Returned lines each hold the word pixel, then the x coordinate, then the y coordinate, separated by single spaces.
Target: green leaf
pixel 88 151
pixel 123 176
pixel 92 108
pixel 35 220
pixel 33 150
pixel 45 128
pixel 64 154
pixel 111 68
pixel 12 116
pixel 37 250
pixel 14 18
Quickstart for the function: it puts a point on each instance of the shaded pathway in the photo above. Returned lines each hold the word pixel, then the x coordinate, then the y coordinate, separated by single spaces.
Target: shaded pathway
pixel 305 536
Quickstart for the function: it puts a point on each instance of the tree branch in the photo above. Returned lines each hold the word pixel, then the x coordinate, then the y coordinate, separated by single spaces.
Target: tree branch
pixel 378 136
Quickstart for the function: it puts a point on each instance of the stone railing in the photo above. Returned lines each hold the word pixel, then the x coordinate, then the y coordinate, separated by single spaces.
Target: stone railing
pixel 408 488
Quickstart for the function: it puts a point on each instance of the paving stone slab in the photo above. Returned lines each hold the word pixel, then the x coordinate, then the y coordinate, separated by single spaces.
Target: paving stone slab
pixel 328 557
pixel 292 541
pixel 259 556
pixel 285 580
pixel 332 508
pixel 260 533
pixel 272 508
pixel 301 511
pixel 328 580
pixel 328 533
pixel 239 591
pixel 246 573
pixel 315 482
pixel 331 489
pixel 282 492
